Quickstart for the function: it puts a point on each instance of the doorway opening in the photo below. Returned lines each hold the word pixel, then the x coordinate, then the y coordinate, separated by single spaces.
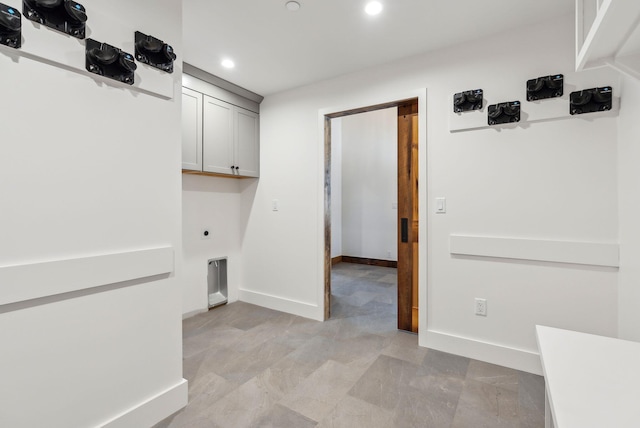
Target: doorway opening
pixel 407 209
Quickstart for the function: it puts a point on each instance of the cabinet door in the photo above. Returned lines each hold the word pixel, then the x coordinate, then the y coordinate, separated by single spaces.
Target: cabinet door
pixel 218 136
pixel 191 130
pixel 247 139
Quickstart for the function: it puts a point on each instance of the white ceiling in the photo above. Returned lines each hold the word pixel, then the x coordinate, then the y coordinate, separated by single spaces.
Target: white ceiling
pixel 275 49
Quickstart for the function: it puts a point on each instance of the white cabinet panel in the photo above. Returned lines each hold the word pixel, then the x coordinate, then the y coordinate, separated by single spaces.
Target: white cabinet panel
pixel 191 130
pixel 218 134
pixel 246 140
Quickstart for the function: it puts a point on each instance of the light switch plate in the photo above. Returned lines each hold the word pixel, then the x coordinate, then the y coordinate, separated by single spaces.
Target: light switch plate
pixel 441 205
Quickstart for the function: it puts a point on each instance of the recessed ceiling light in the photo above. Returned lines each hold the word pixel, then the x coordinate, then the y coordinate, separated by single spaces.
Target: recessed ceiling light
pixel 373 8
pixel 227 63
pixel 292 5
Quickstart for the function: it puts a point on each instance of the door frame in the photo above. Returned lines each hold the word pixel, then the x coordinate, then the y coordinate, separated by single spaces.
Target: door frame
pixel 325 116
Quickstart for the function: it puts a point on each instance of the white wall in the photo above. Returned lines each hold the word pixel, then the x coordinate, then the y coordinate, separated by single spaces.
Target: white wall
pixel 213 203
pixel 89 169
pixel 336 187
pixel 553 180
pixel 629 177
pixel 370 184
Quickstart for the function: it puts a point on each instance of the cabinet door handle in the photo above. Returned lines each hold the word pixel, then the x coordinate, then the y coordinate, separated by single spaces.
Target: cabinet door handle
pixel 404 230
pixel 237 168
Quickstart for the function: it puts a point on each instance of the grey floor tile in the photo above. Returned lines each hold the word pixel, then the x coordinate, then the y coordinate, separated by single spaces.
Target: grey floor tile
pixel 492 374
pixel 486 406
pixel 288 373
pixel 321 391
pixel 531 400
pixel 205 339
pixel 360 298
pixel 210 385
pixel 281 417
pixel 388 298
pixel 342 309
pixel 191 366
pixel 354 348
pixel 376 323
pixel 196 324
pixel 182 422
pixel 391 278
pixel 385 382
pixel 432 406
pixel 531 391
pixel 249 366
pixel 441 363
pixel 243 407
pixel 352 412
pixel 404 346
pixel 242 366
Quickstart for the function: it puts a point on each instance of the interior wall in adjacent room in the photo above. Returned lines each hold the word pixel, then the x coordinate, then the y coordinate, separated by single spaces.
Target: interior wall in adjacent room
pixel 370 185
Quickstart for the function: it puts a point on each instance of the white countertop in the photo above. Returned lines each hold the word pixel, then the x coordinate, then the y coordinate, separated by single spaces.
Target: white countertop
pixel 591 381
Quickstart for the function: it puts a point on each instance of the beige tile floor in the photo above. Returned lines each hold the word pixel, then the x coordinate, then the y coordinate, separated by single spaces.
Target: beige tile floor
pixel 249 366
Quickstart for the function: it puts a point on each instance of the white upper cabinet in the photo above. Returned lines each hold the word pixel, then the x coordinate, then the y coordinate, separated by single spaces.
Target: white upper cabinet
pixel 191 130
pixel 219 137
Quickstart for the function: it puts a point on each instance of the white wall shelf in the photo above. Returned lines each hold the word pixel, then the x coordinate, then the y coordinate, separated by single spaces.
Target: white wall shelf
pixel 536 111
pixel 51 47
pixel 605 31
pixel 43 279
pixel 584 253
pixel 532 112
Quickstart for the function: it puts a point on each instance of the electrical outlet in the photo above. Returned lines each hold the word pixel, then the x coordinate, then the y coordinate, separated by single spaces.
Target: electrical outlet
pixel 481 307
pixel 205 233
pixel 389 254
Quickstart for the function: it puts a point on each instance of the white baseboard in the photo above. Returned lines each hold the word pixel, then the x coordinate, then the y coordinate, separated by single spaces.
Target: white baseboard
pixel 194 313
pixel 302 309
pixel 505 356
pixel 153 410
